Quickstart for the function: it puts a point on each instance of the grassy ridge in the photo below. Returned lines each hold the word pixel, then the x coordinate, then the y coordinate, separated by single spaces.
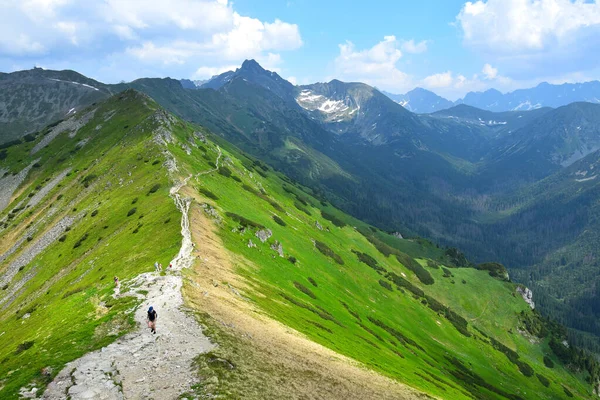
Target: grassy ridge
pixel 65 310
pixel 343 305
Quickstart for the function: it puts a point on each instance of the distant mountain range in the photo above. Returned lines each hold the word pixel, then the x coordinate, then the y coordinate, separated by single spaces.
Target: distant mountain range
pixel 423 101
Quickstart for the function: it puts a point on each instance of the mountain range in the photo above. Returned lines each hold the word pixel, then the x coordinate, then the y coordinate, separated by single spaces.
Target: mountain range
pixel 423 101
pixel 518 187
pixel 299 297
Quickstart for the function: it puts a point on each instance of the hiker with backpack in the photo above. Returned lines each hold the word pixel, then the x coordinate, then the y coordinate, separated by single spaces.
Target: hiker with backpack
pixel 152 317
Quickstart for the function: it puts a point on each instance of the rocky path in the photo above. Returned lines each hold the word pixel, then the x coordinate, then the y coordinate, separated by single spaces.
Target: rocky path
pixel 141 365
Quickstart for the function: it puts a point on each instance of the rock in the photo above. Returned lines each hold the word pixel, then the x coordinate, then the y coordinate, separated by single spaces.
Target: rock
pixel 200 136
pixel 318 225
pixel 251 243
pixel 527 295
pixel 278 248
pixel 264 234
pixel 397 235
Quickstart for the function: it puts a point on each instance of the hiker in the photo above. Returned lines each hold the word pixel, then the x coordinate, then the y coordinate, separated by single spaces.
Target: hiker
pixel 116 279
pixel 160 267
pixel 152 317
pixel 156 266
pixel 170 265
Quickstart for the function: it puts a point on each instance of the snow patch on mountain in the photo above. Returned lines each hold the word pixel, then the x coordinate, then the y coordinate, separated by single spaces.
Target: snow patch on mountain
pixel 75 83
pixel 526 106
pixel 333 110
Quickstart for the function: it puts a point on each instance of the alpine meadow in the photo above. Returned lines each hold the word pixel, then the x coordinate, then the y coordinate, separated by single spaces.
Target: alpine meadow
pixel 306 211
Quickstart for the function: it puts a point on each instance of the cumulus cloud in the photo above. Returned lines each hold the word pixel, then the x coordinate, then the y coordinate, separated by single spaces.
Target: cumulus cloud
pixel 489 72
pixel 441 80
pixel 410 46
pixel 532 36
pixel 178 36
pixel 375 65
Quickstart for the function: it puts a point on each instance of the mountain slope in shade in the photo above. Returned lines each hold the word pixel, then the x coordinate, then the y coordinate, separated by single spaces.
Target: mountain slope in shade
pixel 420 101
pixel 33 98
pixel 252 71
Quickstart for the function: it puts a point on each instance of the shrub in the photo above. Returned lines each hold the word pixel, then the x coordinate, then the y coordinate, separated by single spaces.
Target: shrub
pixel 208 193
pixel 401 282
pixel 88 179
pixel 421 273
pixel 62 238
pixel 457 258
pixel 292 259
pixel 155 162
pixel 134 200
pixel 325 250
pixel 567 391
pixel 447 273
pixel 30 137
pixel 386 285
pixel 154 188
pixel 370 261
pixel 224 171
pixel 250 189
pixel 279 220
pixel 60 196
pixel 304 290
pixel 131 212
pixel 94 213
pixel 245 222
pixel 543 380
pixel 300 207
pixel 496 270
pixel 334 220
pixel 312 282
pixel 81 239
pixel 236 178
pixel 548 362
pixel 24 346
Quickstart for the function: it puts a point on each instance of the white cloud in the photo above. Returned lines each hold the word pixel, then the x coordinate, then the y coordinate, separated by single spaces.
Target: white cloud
pixel 204 15
pixel 441 80
pixel 292 79
pixel 140 36
pixel 489 72
pixel 410 46
pixel 176 53
pixel 376 65
pixel 209 72
pixel 532 37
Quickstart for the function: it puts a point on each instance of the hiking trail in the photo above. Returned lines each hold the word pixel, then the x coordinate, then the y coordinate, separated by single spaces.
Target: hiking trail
pixel 141 365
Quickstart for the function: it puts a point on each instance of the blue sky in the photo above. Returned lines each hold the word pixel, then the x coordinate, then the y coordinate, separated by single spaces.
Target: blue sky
pixel 448 46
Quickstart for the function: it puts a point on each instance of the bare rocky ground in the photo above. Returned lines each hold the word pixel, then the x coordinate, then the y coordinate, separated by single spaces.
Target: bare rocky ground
pixel 142 365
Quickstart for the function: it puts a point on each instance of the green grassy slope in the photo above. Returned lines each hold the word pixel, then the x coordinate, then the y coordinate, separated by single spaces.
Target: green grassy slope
pixel 64 309
pixel 358 310
pixel 342 283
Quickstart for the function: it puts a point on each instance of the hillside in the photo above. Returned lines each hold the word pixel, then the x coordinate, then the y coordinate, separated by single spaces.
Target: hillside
pixel 299 298
pixel 462 177
pixel 31 99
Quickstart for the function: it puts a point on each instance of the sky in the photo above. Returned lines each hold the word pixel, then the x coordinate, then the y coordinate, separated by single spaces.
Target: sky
pixel 448 46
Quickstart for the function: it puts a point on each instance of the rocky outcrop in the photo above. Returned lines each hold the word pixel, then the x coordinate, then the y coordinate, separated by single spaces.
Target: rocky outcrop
pixel 527 295
pixel 278 248
pixel 264 234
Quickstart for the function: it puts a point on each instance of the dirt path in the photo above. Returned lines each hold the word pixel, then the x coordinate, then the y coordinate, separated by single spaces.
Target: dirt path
pixel 141 365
